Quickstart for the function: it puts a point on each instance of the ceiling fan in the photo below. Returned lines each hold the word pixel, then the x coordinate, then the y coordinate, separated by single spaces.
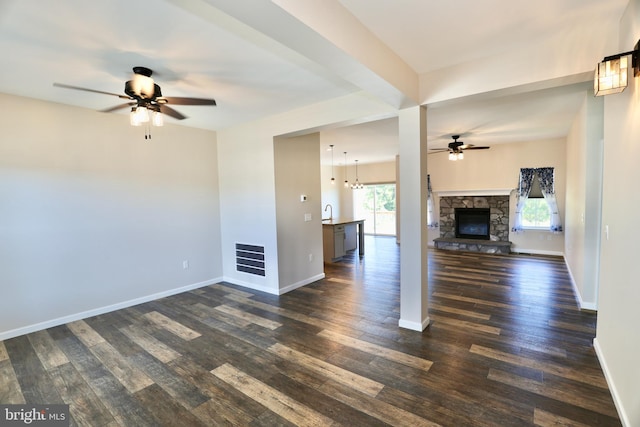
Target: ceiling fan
pixel 145 99
pixel 456 148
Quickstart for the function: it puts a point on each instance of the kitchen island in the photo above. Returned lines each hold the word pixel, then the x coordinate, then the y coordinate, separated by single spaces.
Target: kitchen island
pixel 337 235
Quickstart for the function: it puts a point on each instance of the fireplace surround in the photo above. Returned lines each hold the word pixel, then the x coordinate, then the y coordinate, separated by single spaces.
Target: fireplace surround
pixel 474 237
pixel 473 223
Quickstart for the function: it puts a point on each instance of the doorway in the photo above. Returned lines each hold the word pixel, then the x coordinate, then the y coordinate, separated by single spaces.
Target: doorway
pixel 376 204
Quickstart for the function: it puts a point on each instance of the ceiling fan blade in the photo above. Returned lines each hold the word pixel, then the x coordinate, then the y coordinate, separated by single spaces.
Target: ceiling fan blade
pixel 187 101
pixel 478 148
pixel 441 150
pixel 90 90
pixel 172 113
pixel 117 107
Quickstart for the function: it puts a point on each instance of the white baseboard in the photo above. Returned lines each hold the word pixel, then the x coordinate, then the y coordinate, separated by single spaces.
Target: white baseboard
pixel 272 291
pixel 624 418
pixel 414 326
pixel 583 305
pixel 301 283
pixel 249 285
pixel 537 252
pixel 101 310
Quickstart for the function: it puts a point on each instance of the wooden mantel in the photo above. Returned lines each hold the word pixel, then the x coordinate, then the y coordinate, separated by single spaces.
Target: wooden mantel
pixel 475 193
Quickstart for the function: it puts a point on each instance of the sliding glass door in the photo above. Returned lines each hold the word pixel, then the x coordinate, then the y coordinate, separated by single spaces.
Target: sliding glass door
pixel 376 203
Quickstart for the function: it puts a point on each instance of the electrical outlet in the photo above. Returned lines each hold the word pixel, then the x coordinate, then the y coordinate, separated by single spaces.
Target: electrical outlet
pixel 185 264
pixel 310 257
pixel 307 217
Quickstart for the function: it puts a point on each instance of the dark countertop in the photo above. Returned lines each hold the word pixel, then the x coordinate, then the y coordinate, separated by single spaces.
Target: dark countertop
pixel 340 221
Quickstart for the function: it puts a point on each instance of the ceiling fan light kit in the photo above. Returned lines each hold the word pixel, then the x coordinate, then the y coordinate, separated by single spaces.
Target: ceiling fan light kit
pixel 456 149
pixel 142 84
pixel 142 115
pixel 148 106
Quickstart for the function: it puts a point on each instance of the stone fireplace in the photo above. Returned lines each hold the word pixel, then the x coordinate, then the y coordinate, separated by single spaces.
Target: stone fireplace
pixel 498 206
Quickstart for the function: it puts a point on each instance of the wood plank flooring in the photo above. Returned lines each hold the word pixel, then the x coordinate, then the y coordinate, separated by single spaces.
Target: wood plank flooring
pixel 507 346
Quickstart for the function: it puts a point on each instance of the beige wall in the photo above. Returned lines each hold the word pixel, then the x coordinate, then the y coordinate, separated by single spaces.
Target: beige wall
pixel 617 339
pixel 247 179
pixel 94 217
pixel 584 199
pixel 297 173
pixel 497 169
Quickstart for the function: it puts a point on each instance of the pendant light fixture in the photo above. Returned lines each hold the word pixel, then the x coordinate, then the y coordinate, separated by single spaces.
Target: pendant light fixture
pixel 357 185
pixel 346 181
pixel 333 180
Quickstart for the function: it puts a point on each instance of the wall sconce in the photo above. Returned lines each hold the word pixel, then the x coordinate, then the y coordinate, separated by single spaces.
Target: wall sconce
pixel 612 73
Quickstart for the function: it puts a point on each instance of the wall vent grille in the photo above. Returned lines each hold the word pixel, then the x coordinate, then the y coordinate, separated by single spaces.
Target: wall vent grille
pixel 250 259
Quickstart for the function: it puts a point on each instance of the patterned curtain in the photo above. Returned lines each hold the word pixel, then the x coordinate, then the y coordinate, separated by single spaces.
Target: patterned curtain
pixel 524 188
pixel 546 180
pixel 545 176
pixel 431 221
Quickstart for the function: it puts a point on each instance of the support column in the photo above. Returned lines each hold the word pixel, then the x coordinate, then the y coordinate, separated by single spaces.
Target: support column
pixel 413 219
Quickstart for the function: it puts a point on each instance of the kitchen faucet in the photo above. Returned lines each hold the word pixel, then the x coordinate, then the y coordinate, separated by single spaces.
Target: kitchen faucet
pixel 330 211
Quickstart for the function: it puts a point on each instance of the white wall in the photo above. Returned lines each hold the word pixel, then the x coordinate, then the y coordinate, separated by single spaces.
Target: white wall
pixel 94 217
pixel 297 172
pixel 617 338
pixel 498 169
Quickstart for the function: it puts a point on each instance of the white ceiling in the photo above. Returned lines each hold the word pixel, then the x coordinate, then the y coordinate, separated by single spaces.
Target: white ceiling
pixel 430 35
pixel 197 50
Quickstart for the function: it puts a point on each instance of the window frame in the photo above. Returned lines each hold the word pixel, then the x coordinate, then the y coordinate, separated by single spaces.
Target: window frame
pixel 544 227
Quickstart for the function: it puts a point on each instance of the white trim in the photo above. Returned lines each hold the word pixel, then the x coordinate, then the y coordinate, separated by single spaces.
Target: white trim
pixel 536 252
pixel 101 310
pixel 272 291
pixel 474 193
pixel 301 283
pixel 583 305
pixel 414 326
pixel 250 285
pixel 624 418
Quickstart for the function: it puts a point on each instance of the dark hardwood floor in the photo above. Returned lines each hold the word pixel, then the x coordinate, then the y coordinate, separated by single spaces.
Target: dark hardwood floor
pixel 507 346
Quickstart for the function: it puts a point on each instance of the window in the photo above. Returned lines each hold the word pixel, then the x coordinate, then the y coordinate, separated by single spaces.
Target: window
pixel 536 205
pixel 536 214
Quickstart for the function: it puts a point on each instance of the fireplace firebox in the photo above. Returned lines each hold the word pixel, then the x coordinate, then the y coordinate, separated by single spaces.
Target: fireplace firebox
pixel 473 223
